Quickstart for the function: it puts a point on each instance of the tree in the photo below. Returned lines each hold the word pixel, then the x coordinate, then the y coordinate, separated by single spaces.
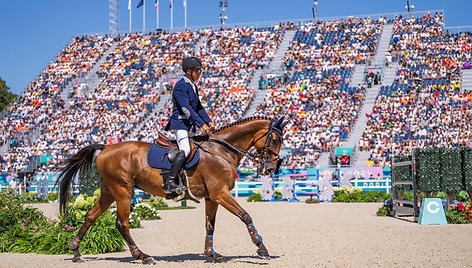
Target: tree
pixel 5 96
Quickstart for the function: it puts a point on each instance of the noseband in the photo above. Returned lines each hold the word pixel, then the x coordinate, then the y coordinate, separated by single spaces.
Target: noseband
pixel 263 157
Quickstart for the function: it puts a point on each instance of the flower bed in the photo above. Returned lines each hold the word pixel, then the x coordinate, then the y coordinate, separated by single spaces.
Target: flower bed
pixel 459 213
pixel 26 230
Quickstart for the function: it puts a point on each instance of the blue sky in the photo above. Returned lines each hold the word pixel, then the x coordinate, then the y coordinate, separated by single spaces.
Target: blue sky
pixel 34 32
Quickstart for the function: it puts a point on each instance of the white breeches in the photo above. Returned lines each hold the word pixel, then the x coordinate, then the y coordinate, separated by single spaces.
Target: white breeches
pixel 181 136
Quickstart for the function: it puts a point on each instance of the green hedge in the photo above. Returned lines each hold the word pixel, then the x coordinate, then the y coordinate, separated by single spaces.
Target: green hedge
pixel 451 170
pixel 428 169
pixel 438 169
pixel 467 168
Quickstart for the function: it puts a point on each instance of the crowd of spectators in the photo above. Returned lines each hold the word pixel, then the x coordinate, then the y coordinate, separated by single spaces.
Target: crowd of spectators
pixel 41 101
pixel 230 58
pixel 316 96
pixel 337 44
pixel 426 105
pixel 318 116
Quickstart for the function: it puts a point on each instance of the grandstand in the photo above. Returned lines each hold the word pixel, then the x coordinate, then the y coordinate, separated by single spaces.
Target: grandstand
pixel 368 86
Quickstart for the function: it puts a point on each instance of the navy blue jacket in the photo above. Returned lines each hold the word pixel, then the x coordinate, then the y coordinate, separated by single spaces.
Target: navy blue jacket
pixel 188 111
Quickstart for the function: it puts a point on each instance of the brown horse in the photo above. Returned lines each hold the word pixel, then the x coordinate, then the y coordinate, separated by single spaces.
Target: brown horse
pixel 123 166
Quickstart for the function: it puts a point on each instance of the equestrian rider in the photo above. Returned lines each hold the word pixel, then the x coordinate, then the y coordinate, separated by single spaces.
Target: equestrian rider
pixel 187 114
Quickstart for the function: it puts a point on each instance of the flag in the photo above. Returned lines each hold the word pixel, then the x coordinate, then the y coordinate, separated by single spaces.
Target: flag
pixel 157 4
pixel 185 3
pixel 140 3
pixel 129 5
pixel 170 3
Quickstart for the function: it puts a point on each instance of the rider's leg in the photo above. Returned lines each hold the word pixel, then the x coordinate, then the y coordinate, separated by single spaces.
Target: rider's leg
pixel 179 161
pixel 182 141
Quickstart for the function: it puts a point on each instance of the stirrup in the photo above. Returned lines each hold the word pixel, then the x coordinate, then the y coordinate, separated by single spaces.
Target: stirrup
pixel 176 188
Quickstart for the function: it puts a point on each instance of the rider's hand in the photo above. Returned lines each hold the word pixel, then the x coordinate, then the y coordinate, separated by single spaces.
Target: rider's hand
pixel 212 126
pixel 206 129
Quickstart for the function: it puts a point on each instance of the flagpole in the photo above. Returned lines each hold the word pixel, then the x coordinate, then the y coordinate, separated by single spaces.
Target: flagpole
pixel 157 12
pixel 171 16
pixel 144 16
pixel 185 8
pixel 129 9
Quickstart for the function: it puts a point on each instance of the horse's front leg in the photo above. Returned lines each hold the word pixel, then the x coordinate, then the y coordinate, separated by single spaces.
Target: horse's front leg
pixel 229 202
pixel 211 208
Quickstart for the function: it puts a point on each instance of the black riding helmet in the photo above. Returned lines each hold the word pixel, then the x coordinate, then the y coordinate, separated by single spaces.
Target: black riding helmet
pixel 191 63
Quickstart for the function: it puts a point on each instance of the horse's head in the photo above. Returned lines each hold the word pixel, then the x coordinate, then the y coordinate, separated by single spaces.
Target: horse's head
pixel 268 146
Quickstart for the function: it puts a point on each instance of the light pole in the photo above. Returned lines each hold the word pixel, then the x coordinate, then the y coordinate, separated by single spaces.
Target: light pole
pixel 409 6
pixel 315 9
pixel 223 18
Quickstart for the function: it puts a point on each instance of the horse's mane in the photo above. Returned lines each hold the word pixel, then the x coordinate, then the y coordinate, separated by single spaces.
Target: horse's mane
pixel 257 117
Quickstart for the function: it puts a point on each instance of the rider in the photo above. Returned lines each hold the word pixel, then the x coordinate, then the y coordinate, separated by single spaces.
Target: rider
pixel 187 114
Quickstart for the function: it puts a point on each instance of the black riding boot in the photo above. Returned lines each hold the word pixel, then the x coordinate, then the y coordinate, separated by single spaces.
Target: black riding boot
pixel 171 186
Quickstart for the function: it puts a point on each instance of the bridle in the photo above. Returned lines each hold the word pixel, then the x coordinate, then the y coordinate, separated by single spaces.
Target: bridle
pixel 262 157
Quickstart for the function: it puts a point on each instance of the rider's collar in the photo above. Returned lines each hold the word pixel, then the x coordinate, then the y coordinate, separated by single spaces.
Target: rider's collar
pixel 188 81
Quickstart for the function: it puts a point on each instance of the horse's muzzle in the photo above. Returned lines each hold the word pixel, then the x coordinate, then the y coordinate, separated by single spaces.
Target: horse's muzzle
pixel 269 171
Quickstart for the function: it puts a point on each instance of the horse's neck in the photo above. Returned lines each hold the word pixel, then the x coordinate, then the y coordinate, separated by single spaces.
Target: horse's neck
pixel 243 135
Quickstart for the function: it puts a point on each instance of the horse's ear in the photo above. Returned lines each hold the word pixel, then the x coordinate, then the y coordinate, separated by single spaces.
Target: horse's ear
pixel 279 122
pixel 284 124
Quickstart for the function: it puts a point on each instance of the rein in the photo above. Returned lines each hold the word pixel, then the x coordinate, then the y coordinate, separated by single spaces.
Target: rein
pixel 265 150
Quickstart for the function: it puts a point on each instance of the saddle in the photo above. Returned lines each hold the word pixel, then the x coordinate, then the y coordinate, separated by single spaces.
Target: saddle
pixel 163 147
pixel 164 142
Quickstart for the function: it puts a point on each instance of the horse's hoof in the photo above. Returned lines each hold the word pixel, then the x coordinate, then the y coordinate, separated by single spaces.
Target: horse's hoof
pixel 149 261
pixel 263 253
pixel 218 258
pixel 78 259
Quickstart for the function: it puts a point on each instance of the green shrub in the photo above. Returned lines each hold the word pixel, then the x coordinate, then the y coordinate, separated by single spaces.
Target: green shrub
pixel 409 196
pixel 277 194
pixel 255 197
pixel 13 213
pixel 384 211
pixel 32 198
pixel 348 195
pixel 52 196
pixel 386 208
pixel 145 212
pixel 312 200
pixel 157 202
pixel 462 196
pixel 26 230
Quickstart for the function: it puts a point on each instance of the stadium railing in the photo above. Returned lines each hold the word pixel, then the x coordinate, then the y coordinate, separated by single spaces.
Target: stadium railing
pixel 459 29
pixel 260 24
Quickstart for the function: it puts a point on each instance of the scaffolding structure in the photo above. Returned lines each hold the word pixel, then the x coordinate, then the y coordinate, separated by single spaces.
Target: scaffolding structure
pixel 113 16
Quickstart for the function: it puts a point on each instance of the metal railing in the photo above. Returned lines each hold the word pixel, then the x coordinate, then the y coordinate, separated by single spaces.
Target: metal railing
pixel 398 209
pixel 270 23
pixel 459 29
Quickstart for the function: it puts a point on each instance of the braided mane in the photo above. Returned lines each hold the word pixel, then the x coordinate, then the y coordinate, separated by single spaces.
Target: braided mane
pixel 257 117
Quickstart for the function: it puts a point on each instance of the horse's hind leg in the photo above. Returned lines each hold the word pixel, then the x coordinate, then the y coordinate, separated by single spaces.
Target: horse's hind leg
pixel 106 199
pixel 229 202
pixel 211 208
pixel 122 223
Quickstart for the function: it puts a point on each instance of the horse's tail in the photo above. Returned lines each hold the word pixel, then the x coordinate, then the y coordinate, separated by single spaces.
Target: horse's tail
pixel 80 162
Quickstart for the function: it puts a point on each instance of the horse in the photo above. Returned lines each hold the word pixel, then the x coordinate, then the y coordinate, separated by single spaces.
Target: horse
pixel 123 166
